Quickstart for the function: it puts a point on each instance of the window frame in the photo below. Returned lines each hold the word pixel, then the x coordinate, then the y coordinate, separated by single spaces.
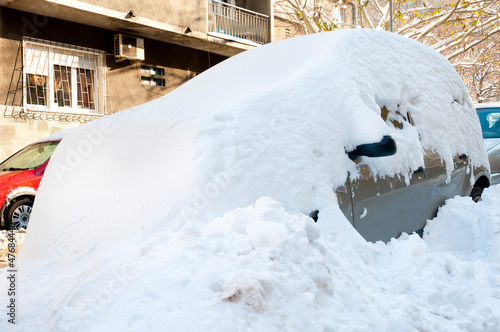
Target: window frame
pixel 40 59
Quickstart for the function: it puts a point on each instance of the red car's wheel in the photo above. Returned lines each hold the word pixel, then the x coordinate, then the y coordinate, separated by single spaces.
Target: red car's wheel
pixel 19 214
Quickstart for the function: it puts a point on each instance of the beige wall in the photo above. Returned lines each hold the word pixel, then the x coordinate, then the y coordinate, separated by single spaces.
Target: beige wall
pixel 180 65
pixel 180 13
pixel 16 133
pixel 284 29
pixel 11 79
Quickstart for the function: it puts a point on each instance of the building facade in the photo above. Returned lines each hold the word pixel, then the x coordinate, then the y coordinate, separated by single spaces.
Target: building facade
pixel 67 62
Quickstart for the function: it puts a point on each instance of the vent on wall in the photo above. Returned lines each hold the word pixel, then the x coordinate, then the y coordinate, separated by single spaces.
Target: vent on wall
pixel 128 47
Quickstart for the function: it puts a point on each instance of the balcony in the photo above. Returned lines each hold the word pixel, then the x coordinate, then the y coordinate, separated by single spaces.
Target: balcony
pixel 237 24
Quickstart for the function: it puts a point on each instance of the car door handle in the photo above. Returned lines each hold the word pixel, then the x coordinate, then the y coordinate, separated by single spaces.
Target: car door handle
pixel 419 170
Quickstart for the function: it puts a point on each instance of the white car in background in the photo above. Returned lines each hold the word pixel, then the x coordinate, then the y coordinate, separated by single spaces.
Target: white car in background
pixel 489 116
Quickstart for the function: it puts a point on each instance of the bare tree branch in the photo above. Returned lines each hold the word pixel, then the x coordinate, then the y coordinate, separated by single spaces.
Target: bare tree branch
pixel 463 31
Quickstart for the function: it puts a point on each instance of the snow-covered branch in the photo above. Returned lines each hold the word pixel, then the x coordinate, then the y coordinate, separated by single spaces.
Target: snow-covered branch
pixel 455 28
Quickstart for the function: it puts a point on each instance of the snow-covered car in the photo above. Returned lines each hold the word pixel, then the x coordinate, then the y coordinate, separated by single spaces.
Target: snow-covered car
pixel 375 123
pixel 489 116
pixel 20 176
pixel 191 211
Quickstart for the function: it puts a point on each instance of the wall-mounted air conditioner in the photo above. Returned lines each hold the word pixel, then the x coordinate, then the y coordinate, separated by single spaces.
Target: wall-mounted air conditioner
pixel 128 47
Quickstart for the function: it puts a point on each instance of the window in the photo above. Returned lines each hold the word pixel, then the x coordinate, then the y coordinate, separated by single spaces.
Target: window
pixel 152 70
pixel 152 81
pixel 63 78
pixel 154 76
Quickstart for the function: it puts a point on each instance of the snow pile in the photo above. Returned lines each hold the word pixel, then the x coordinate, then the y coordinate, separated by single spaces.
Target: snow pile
pixel 479 233
pixel 261 268
pixel 15 238
pixel 157 217
pixel 255 264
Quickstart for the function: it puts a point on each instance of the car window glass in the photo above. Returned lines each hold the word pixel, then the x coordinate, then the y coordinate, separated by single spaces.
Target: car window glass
pixel 30 157
pixel 490 122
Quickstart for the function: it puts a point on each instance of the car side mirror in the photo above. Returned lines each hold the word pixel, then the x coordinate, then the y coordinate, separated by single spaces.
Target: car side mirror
pixel 386 147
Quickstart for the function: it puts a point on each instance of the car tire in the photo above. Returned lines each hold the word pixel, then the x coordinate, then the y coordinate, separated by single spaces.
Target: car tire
pixel 19 213
pixel 476 194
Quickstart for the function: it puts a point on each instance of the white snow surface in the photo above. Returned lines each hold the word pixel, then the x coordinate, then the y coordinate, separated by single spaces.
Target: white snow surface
pixel 186 213
pixel 261 268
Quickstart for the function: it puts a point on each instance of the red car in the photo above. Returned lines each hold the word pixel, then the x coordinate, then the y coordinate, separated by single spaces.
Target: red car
pixel 20 176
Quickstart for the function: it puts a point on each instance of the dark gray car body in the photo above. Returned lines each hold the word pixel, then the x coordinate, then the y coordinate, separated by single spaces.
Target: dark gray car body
pixel 383 208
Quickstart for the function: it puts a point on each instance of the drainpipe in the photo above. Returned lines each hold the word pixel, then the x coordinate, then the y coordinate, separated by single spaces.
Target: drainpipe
pixel 390 1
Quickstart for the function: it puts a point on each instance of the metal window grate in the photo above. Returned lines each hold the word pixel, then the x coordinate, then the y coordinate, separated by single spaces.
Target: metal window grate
pixel 62 78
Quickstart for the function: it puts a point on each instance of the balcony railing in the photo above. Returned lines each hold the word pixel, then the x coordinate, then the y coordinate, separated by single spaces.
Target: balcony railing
pixel 232 21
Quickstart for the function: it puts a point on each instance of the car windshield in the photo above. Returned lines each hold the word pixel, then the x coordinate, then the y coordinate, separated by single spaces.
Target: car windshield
pixel 490 121
pixel 30 157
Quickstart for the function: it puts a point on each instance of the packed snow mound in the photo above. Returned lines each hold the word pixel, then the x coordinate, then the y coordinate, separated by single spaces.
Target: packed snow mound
pixel 478 233
pixel 261 268
pixel 245 261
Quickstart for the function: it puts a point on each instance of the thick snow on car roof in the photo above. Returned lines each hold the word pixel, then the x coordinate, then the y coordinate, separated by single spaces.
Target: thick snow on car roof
pixel 275 121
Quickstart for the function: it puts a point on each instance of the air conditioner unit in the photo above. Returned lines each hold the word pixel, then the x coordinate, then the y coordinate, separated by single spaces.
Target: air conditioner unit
pixel 128 47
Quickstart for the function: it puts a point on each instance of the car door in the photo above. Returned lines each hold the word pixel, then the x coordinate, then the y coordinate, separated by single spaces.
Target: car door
pixel 383 208
pixel 440 188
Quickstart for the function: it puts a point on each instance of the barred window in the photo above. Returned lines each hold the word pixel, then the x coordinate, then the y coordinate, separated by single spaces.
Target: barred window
pixel 63 78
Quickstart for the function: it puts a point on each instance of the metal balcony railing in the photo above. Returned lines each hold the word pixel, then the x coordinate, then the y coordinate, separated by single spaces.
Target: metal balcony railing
pixel 233 21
